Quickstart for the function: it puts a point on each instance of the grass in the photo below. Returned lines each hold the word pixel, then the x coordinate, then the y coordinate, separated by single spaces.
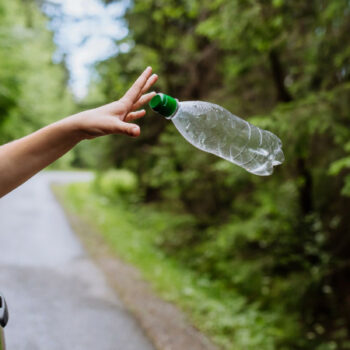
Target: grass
pixel 133 231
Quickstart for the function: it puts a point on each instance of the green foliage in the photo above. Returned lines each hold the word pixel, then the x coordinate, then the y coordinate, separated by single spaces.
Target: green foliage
pixel 33 90
pixel 279 244
pixel 116 184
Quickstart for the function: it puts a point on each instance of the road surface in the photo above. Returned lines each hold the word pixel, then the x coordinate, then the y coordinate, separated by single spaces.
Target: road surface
pixel 58 298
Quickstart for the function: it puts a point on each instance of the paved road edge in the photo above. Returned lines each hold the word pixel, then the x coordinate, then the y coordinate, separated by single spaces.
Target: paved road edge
pixel 163 323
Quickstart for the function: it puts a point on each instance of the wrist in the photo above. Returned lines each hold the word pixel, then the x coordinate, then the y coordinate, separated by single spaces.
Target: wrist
pixel 72 128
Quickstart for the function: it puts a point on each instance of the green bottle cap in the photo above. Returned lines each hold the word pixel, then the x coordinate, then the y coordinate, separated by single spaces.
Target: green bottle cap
pixel 164 104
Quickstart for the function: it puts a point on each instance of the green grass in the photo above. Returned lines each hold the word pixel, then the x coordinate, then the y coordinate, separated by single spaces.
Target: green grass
pixel 133 231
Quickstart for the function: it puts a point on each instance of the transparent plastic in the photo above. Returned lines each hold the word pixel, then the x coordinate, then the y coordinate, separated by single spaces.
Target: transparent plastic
pixel 213 129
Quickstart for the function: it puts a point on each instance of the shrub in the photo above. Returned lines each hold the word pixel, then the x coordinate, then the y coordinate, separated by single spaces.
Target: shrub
pixel 115 184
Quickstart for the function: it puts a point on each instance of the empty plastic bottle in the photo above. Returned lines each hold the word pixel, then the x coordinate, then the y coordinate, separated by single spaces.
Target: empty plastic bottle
pixel 213 129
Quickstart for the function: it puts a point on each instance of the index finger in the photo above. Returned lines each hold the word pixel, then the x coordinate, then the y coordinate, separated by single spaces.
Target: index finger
pixel 135 90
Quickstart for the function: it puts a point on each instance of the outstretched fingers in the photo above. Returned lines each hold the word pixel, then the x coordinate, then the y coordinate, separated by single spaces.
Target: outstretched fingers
pixel 144 99
pixel 135 115
pixel 151 81
pixel 136 89
pixel 134 98
pixel 126 128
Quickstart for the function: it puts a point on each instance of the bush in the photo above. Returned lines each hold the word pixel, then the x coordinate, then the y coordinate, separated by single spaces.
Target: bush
pixel 115 184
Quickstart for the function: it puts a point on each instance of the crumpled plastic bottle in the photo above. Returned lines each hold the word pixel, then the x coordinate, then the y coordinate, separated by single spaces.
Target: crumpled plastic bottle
pixel 214 129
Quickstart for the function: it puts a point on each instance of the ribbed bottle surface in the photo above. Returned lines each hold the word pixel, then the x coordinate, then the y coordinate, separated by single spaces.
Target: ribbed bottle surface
pixel 213 129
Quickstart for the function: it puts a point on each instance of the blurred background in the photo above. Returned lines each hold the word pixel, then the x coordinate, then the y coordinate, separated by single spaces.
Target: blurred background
pixel 256 263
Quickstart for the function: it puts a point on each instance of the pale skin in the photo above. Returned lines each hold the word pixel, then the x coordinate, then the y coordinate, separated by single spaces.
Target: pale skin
pixel 23 158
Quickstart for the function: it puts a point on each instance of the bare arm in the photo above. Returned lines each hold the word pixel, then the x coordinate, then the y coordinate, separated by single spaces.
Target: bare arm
pixel 21 159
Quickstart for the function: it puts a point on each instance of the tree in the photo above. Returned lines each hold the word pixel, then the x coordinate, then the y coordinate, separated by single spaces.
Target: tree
pixel 280 242
pixel 33 89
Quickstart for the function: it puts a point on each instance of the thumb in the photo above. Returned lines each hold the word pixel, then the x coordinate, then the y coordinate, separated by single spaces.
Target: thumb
pixel 127 129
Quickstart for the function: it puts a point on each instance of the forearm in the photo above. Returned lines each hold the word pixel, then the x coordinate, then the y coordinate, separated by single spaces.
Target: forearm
pixel 23 158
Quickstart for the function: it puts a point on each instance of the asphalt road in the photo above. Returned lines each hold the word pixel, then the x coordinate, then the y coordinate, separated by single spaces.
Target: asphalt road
pixel 57 297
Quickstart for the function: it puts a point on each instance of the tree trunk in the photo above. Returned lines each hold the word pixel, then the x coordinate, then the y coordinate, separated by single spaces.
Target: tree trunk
pixel 283 94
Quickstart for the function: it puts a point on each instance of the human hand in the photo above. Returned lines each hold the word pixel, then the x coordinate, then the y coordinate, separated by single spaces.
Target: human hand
pixel 115 117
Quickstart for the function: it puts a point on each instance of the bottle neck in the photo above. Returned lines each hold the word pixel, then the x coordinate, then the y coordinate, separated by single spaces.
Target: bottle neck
pixel 175 112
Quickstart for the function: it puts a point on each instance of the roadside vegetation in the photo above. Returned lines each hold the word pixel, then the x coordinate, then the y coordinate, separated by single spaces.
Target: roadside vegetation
pixel 136 234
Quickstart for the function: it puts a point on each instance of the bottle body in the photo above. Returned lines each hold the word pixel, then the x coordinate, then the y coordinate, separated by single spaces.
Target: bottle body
pixel 213 129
